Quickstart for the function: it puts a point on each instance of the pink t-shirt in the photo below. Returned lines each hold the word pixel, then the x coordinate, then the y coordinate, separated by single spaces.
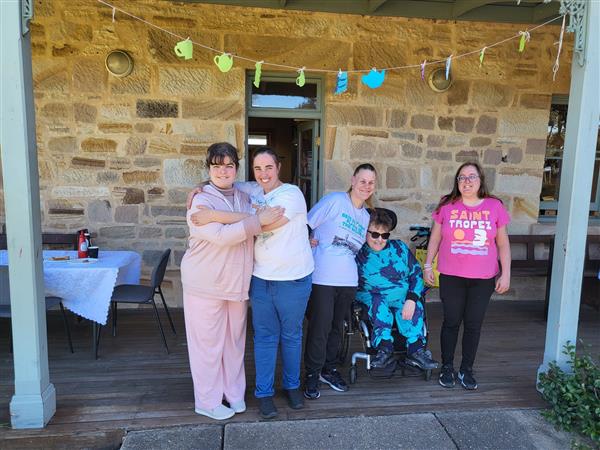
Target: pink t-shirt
pixel 468 247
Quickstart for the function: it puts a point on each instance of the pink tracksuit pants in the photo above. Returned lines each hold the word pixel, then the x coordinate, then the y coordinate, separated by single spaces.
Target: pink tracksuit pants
pixel 216 339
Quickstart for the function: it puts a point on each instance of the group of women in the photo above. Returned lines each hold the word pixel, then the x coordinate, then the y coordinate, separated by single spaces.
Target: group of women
pixel 250 240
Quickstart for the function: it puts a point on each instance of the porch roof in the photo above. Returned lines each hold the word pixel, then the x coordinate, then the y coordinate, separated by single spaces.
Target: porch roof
pixel 528 11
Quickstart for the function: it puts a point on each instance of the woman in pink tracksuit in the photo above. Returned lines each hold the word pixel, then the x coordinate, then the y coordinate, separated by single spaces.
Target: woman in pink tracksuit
pixel 215 273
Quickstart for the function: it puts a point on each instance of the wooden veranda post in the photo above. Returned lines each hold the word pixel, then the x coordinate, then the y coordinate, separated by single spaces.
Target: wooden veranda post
pixel 576 181
pixel 34 400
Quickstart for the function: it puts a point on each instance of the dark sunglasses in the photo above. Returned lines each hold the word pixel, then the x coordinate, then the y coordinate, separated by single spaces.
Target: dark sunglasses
pixel 376 235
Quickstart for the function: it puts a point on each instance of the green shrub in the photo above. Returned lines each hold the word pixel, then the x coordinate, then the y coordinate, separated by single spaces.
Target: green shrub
pixel 574 397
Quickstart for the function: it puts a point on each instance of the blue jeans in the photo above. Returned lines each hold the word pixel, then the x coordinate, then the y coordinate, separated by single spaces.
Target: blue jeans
pixel 278 309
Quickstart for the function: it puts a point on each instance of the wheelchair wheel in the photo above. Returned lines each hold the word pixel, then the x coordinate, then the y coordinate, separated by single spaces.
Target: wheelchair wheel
pixel 353 375
pixel 428 375
pixel 345 345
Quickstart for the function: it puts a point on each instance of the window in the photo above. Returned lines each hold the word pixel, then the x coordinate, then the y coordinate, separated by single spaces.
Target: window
pixel 284 95
pixel 555 143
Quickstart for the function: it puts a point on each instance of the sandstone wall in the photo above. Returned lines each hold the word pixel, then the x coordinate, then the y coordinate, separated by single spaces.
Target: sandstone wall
pixel 119 155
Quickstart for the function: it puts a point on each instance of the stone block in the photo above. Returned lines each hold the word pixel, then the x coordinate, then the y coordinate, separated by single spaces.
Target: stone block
pixel 487 125
pixel 114 127
pixel 404 136
pixel 467 155
pixel 515 155
pixel 364 116
pixel 422 121
pixel 212 109
pixel 150 233
pixel 65 208
pixel 107 177
pixel 119 163
pixel 156 192
pixel 99 211
pixel 369 133
pixel 56 111
pixel 397 118
pixel 113 111
pixel 183 172
pixel 95 145
pixel 88 163
pixel 435 141
pixel 141 177
pixel 464 124
pixel 89 75
pixel 161 146
pixel 117 232
pixel 157 108
pixel 401 178
pixel 176 232
pixel 144 127
pixel 486 94
pixel 518 184
pixel 52 78
pixel 151 257
pixel 418 94
pixel 85 113
pixel 136 83
pixel 536 101
pixel 337 175
pixel 64 144
pixel 177 257
pixel 428 177
pixel 492 156
pixel 170 211
pixel 133 196
pixel 458 94
pixel 196 82
pixel 178 196
pixel 135 145
pixel 362 150
pixel 438 155
pixel 411 150
pixel 445 123
pixel 127 214
pixel 525 123
pixel 147 162
pixel 480 142
pixel 536 147
pixel 79 192
pixel 387 150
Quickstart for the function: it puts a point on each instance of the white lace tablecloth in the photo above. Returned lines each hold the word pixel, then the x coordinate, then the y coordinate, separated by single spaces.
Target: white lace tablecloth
pixel 86 287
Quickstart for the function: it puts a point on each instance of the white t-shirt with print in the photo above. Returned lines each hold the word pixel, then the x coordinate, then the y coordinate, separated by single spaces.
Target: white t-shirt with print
pixel 282 254
pixel 341 230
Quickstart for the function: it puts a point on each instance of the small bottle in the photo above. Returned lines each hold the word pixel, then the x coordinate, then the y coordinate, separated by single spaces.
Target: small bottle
pixel 82 246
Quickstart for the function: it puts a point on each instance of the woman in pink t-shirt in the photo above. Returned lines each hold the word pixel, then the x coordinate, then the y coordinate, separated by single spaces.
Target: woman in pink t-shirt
pixel 468 235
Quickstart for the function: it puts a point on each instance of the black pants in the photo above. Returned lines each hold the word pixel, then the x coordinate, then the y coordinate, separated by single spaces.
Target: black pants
pixel 464 300
pixel 327 308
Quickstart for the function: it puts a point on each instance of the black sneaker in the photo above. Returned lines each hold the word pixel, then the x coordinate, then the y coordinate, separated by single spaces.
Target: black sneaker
pixel 334 380
pixel 295 400
pixel 467 380
pixel 382 359
pixel 311 386
pixel 447 376
pixel 422 359
pixel 267 408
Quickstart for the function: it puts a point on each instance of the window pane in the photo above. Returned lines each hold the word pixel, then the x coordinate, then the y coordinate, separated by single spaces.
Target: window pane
pixel 555 143
pixel 278 94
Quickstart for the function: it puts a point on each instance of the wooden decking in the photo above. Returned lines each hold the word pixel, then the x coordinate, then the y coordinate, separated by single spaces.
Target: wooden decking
pixel 135 384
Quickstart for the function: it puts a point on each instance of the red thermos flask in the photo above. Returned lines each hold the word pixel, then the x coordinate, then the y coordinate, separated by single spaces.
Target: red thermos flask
pixel 82 246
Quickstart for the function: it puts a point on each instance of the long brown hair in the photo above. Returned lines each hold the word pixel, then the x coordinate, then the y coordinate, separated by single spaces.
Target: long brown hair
pixel 364 166
pixel 455 194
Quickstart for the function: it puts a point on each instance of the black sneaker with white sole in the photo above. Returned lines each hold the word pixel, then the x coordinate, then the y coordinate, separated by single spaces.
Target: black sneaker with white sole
pixel 334 380
pixel 467 380
pixel 311 386
pixel 422 359
pixel 447 376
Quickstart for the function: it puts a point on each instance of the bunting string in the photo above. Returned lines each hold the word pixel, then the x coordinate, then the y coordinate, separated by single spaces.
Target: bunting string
pixel 301 70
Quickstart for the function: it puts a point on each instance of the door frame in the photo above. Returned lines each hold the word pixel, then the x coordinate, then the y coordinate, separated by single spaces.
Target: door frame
pixel 283 113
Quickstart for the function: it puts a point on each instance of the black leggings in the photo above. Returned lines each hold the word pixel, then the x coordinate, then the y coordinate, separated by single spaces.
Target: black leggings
pixel 464 300
pixel 327 308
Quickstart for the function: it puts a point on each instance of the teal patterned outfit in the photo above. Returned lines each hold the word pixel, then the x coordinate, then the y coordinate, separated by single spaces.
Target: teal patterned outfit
pixel 386 279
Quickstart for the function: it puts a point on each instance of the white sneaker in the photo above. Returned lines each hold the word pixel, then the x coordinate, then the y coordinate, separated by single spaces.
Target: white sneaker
pixel 221 412
pixel 238 407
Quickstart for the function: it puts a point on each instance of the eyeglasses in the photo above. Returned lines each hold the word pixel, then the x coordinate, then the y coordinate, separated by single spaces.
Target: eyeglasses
pixel 376 235
pixel 470 178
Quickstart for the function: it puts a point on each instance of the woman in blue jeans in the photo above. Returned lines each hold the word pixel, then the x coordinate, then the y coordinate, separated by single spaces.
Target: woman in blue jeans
pixel 281 279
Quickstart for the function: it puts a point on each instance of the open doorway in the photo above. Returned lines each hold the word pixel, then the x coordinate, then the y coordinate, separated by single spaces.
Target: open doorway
pixel 287 118
pixel 293 141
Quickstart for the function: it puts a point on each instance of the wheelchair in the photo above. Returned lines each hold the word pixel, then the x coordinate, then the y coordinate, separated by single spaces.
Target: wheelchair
pixel 358 324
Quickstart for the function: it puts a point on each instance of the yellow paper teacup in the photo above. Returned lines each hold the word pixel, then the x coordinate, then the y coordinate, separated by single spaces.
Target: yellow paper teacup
pixel 184 49
pixel 224 62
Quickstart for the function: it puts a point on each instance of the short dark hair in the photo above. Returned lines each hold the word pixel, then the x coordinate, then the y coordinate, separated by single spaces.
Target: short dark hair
pixel 381 217
pixel 268 151
pixel 217 153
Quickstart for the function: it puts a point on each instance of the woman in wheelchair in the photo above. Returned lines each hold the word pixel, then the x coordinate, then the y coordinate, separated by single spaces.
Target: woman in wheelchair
pixel 390 285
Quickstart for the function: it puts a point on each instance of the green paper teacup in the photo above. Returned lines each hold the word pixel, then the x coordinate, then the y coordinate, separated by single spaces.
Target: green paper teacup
pixel 184 49
pixel 224 62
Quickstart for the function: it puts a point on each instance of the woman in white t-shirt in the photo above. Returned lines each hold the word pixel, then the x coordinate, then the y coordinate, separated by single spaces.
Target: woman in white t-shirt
pixel 281 279
pixel 339 222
